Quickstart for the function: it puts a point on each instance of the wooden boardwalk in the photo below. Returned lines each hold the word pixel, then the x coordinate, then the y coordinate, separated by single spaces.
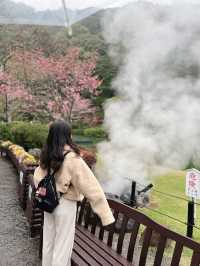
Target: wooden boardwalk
pixel 16 246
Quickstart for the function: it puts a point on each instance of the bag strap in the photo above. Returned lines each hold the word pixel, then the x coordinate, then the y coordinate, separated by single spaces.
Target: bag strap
pixel 67 152
pixel 54 172
pixel 48 171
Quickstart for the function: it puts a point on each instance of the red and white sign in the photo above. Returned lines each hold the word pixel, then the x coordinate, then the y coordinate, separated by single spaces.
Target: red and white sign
pixel 193 184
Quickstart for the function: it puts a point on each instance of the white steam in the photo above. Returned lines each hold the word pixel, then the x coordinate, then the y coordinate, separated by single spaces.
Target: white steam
pixel 155 120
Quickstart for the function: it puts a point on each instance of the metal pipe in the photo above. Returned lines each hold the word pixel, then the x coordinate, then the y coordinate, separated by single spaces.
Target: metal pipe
pixel 133 194
pixel 147 188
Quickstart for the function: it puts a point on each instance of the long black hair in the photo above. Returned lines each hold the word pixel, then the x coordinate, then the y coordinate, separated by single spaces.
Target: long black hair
pixel 52 155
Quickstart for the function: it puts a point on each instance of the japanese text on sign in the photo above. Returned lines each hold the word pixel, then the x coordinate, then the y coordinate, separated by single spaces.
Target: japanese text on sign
pixel 193 184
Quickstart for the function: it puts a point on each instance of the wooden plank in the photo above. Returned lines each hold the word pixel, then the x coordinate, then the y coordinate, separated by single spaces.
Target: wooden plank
pixel 112 231
pixel 85 256
pixel 99 250
pixel 87 216
pixel 94 224
pixel 195 259
pixel 81 211
pixel 101 233
pixel 160 251
pixel 132 242
pixel 145 247
pixel 177 254
pixel 122 235
pixel 104 247
pixel 77 260
pixel 91 251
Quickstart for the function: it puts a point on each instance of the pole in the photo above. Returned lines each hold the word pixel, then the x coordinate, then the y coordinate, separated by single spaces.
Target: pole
pixel 190 220
pixel 133 194
pixel 67 21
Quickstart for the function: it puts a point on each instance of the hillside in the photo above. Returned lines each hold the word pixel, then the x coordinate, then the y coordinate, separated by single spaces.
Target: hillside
pixel 19 13
pixel 93 22
pixel 54 41
pixel 87 32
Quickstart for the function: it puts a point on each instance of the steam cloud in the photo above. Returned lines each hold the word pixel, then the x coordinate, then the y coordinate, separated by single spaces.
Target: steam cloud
pixel 155 118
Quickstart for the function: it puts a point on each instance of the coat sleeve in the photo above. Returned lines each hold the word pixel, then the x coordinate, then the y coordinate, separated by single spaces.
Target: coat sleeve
pixel 87 184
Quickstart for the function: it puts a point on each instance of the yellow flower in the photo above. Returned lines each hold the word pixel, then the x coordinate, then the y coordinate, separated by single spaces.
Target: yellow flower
pixel 20 153
pixel 29 159
pixel 6 144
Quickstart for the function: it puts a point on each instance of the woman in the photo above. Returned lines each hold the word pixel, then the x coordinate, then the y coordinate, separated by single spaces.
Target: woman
pixel 74 179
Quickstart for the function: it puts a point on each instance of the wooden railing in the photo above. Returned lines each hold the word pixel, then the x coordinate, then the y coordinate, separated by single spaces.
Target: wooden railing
pixel 123 215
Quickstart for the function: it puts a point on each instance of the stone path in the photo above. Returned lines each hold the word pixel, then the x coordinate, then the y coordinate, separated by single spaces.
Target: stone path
pixel 16 246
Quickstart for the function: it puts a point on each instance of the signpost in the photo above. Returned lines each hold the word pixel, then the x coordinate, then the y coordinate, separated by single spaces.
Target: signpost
pixel 192 191
pixel 193 184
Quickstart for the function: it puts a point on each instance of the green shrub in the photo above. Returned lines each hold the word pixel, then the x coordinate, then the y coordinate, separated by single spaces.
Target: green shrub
pixel 94 132
pixel 78 128
pixel 29 135
pixel 5 132
pixel 33 135
pixel 79 125
pixel 78 131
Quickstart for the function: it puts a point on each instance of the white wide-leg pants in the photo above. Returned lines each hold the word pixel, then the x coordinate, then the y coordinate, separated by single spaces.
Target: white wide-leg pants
pixel 58 234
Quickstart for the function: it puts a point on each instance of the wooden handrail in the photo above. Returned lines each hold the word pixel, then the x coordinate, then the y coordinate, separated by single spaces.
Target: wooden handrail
pixel 145 220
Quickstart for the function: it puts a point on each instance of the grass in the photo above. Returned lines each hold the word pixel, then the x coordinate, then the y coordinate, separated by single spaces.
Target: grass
pixel 172 183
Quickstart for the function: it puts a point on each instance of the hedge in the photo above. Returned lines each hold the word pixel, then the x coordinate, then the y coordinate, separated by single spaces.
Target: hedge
pixel 5 132
pixel 94 132
pixel 28 135
pixel 33 135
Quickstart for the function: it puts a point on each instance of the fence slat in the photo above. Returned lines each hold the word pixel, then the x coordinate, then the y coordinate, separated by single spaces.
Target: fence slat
pixel 177 254
pixel 145 246
pixel 112 231
pixel 132 242
pixel 195 259
pixel 94 224
pixel 81 212
pixel 122 235
pixel 101 233
pixel 160 251
pixel 87 216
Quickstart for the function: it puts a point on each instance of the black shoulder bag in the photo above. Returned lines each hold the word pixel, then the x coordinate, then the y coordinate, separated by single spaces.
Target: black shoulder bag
pixel 46 196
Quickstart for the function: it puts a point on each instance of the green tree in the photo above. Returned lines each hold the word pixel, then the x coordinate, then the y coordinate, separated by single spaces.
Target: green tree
pixel 106 71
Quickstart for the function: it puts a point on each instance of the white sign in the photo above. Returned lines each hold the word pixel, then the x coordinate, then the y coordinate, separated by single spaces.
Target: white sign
pixel 193 184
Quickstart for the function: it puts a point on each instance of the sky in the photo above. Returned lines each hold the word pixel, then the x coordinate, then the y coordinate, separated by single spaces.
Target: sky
pixel 79 4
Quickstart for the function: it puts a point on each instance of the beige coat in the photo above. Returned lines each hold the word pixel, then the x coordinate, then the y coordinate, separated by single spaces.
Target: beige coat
pixel 75 180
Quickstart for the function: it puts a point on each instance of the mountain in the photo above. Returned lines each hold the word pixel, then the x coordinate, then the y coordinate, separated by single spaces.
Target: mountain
pixel 19 13
pixel 93 22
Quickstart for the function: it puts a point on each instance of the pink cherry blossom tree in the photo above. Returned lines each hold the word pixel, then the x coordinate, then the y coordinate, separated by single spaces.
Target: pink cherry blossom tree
pixel 11 90
pixel 67 83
